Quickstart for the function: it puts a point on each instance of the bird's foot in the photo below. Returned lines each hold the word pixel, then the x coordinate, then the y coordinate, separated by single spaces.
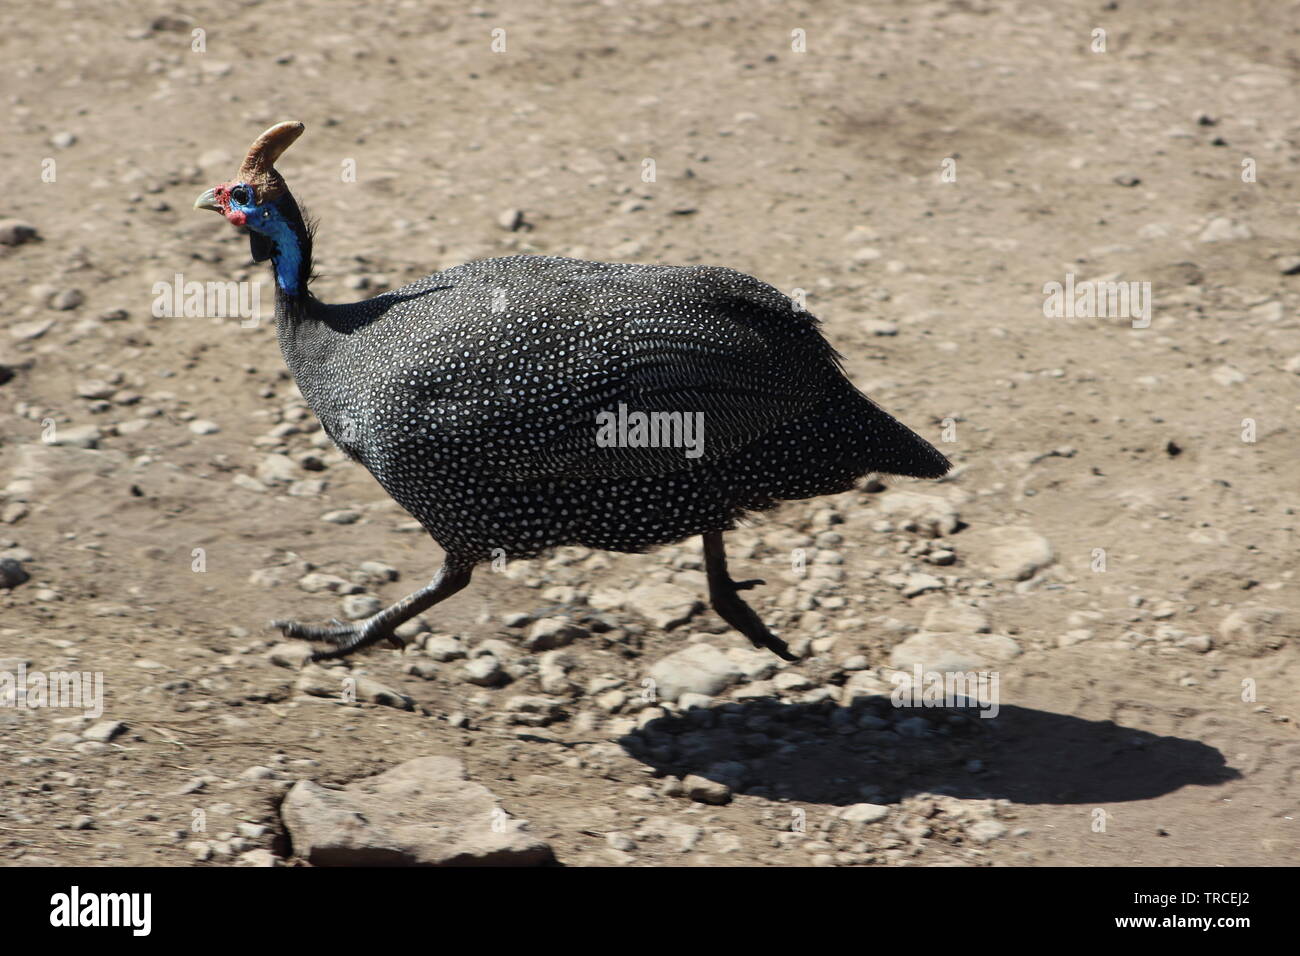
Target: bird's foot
pixel 346 638
pixel 732 609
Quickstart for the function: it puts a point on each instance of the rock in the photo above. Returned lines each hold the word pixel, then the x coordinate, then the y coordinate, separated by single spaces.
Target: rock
pixel 958 617
pixel 864 813
pixel 1227 376
pixel 277 469
pixel 1010 553
pixel 380 572
pixel 1221 229
pixel 420 813
pixel 372 691
pixel 703 790
pixel 14 232
pixel 697 669
pixel 202 426
pixel 445 647
pixel 318 581
pixel 66 299
pixel 533 711
pixel 358 607
pixel 551 632
pixel 30 331
pixel 1256 629
pixel 931 515
pixel 920 583
pixel 343 516
pixel 511 220
pixel 94 388
pixel 754 664
pixel 666 606
pixel 985 831
pixel 11 573
pixel 75 436
pixel 292 654
pixel 553 672
pixel 104 731
pixel 790 681
pixel 952 652
pixel 1287 265
pixel 485 671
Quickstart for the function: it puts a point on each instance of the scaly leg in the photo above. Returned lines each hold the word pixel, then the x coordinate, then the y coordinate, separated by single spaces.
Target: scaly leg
pixel 347 638
pixel 728 604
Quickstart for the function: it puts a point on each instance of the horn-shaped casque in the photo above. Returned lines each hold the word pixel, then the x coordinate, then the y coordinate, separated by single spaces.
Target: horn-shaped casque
pixel 258 169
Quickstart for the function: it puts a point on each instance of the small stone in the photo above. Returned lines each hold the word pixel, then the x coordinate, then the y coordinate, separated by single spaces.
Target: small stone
pixel 357 607
pixel 485 671
pixel 104 731
pixel 864 813
pixel 1221 229
pixel 29 331
pixel 986 831
pixel 11 573
pixel 202 426
pixel 75 436
pixel 1227 376
pixel 699 668
pixel 15 232
pixel 703 790
pixel 66 299
pixel 920 583
pixel 552 632
pixel 445 647
pixel 344 516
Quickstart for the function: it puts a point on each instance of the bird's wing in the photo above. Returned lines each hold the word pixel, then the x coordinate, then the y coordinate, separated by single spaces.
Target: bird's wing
pixel 655 377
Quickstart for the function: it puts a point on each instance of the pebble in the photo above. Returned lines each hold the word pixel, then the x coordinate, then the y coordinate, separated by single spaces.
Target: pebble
pixel 1222 229
pixel 202 426
pixel 11 573
pixel 344 516
pixel 485 671
pixel 15 232
pixel 356 607
pixel 703 790
pixel 76 436
pixel 1227 376
pixel 445 647
pixel 104 731
pixel 864 813
pixel 699 668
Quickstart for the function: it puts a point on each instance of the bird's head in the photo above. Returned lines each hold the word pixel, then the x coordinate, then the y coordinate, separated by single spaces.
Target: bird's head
pixel 258 200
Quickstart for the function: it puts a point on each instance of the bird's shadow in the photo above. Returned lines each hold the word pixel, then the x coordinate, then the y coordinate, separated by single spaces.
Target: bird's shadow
pixel 874 752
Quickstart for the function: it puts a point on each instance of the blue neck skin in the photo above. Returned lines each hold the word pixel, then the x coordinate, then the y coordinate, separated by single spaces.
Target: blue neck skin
pixel 268 220
pixel 288 252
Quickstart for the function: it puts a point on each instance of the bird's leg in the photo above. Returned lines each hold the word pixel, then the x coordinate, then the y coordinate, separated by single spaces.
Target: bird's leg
pixel 347 638
pixel 725 600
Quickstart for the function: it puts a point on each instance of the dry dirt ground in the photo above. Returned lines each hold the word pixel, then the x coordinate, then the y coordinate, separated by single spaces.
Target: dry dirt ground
pixel 921 171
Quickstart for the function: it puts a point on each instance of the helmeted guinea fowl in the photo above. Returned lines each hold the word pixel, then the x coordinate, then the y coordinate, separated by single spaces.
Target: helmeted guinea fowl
pixel 484 399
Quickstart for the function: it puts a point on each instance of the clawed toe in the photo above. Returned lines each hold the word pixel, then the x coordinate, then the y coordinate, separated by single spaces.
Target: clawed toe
pixel 748 585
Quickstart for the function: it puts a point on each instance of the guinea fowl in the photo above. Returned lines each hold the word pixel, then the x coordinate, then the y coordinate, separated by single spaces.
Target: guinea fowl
pixel 483 399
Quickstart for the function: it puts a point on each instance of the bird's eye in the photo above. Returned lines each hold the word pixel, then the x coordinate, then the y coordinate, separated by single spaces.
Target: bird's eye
pixel 241 195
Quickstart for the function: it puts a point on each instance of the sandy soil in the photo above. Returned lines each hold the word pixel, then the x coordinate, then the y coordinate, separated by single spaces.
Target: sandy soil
pixel 1148 711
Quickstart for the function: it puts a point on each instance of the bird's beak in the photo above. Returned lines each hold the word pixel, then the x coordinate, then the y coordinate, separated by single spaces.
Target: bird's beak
pixel 208 201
